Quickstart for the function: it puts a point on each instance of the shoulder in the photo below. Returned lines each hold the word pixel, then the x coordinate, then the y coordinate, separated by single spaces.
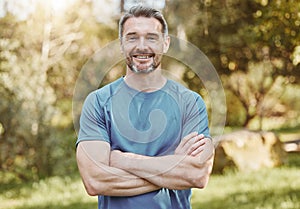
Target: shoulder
pixel 103 94
pixel 182 91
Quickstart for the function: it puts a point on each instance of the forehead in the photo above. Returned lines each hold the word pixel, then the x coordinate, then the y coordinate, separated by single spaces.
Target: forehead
pixel 142 25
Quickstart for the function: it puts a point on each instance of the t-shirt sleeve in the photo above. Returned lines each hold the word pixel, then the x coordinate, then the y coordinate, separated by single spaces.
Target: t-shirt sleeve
pixel 92 121
pixel 196 118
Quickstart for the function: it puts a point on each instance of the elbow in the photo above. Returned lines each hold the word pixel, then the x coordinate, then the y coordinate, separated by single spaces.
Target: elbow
pixel 201 179
pixel 93 189
pixel 91 192
pixel 201 182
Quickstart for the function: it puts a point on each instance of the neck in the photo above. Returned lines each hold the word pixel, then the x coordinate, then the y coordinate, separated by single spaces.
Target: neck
pixel 147 82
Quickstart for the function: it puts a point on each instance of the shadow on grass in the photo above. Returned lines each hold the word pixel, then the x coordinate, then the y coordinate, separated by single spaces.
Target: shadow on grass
pixel 14 188
pixel 287 198
pixel 77 205
pixel 293 159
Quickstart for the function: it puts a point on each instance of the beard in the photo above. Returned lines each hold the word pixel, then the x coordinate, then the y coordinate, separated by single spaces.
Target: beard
pixel 147 70
pixel 150 69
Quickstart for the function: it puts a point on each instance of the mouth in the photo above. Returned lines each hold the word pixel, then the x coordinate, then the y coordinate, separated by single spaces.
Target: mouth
pixel 143 56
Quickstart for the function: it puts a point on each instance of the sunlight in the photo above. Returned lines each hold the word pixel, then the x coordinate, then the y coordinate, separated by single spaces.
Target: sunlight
pixel 59 6
pixel 20 9
pixel 2 10
pixel 23 9
pixel 105 10
pixel 157 4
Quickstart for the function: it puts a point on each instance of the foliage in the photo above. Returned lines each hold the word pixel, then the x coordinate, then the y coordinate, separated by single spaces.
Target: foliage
pixel 42 52
pixel 262 98
pixel 25 118
pixel 234 32
pixel 37 76
pixel 258 43
pixel 259 92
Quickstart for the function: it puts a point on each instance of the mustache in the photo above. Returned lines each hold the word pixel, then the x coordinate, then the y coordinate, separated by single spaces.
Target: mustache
pixel 141 52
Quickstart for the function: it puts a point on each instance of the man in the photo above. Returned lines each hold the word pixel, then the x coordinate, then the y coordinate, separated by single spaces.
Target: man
pixel 144 140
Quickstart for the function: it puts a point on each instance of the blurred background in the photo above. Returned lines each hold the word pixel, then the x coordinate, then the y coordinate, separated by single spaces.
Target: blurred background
pixel 253 44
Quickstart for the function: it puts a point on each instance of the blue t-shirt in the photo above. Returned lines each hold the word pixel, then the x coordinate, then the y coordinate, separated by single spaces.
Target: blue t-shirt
pixel 145 123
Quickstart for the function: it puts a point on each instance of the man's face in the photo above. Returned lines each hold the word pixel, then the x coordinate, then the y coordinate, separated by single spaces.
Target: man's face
pixel 143 44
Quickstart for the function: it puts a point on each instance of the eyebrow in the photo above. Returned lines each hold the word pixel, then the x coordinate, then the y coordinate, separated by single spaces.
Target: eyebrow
pixel 153 34
pixel 134 33
pixel 131 33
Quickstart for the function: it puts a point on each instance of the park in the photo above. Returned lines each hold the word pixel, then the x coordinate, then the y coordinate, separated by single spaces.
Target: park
pixel 251 90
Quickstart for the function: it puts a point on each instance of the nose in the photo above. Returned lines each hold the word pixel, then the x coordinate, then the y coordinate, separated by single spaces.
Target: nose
pixel 141 45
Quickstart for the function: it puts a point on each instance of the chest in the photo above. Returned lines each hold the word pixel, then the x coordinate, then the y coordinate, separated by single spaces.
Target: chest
pixel 148 125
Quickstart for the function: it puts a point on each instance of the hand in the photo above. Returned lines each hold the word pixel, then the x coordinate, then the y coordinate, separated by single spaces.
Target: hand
pixel 207 152
pixel 192 144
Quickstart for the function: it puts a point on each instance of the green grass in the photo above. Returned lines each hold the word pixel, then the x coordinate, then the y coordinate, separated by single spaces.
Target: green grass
pixel 52 193
pixel 277 188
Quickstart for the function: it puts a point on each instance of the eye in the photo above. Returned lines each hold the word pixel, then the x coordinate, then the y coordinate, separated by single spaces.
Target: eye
pixel 152 38
pixel 131 38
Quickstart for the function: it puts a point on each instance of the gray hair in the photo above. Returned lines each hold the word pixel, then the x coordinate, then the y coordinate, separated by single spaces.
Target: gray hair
pixel 142 11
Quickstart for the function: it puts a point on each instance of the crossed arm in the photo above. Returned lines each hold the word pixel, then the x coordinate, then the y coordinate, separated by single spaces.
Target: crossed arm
pixel 116 173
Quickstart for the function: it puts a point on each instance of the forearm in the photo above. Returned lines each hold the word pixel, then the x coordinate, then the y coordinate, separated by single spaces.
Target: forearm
pixel 190 166
pixel 116 182
pixel 100 178
pixel 172 171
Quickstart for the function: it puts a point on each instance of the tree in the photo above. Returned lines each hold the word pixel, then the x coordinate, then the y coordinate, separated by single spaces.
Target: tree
pixel 41 57
pixel 233 33
pixel 259 92
pixel 237 35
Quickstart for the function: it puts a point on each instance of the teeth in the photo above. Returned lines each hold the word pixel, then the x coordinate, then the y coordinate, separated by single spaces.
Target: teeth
pixel 143 57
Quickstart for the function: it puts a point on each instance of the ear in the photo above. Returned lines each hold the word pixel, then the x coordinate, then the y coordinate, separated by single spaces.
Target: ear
pixel 167 41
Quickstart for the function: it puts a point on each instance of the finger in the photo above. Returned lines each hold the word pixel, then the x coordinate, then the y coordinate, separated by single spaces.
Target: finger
pixel 208 150
pixel 196 147
pixel 187 138
pixel 197 151
pixel 191 143
pixel 199 137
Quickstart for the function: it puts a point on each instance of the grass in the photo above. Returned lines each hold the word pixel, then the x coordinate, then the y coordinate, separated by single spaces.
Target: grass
pixel 266 189
pixel 277 188
pixel 52 193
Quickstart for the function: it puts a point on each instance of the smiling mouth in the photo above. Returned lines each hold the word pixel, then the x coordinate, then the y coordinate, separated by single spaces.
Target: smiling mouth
pixel 143 56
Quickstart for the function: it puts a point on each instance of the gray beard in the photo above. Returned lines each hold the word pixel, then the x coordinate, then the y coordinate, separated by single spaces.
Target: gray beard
pixel 150 69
